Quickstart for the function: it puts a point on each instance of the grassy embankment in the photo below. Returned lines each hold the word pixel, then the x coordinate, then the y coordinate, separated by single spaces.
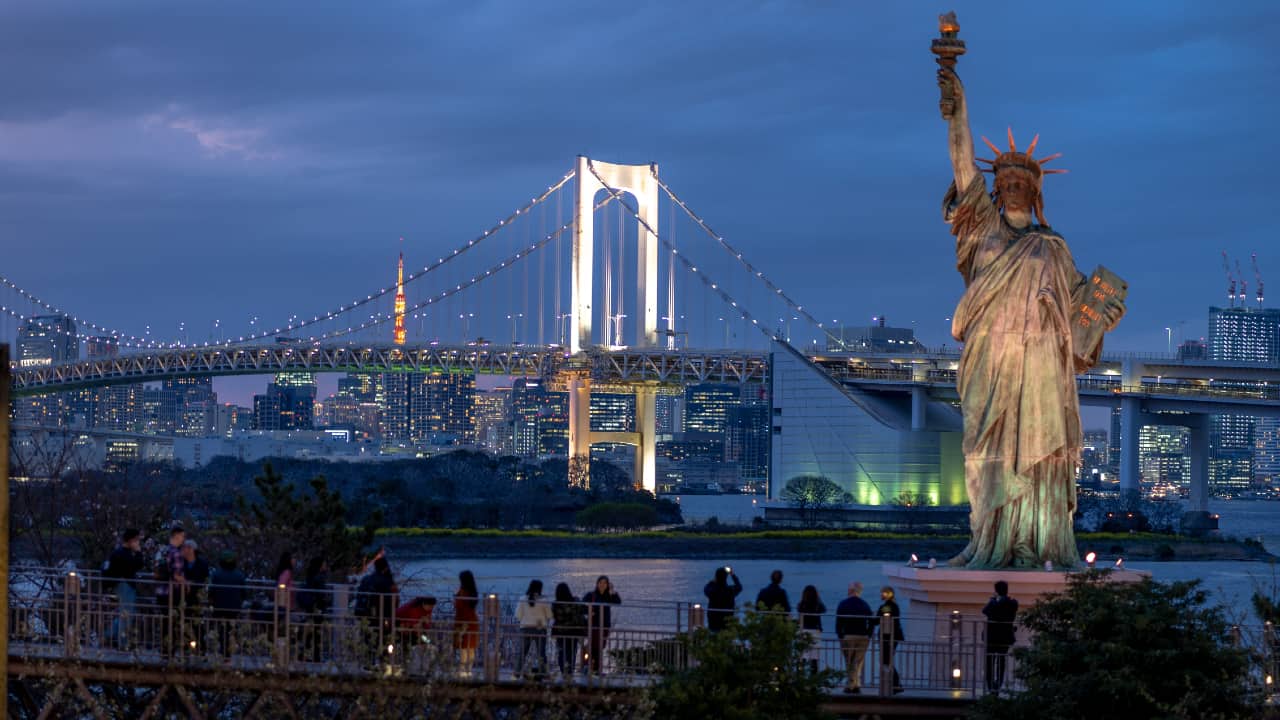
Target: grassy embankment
pixel 815 544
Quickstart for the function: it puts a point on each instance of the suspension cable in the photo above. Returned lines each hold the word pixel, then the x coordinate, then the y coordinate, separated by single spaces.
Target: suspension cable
pixel 715 287
pixel 379 319
pixel 745 263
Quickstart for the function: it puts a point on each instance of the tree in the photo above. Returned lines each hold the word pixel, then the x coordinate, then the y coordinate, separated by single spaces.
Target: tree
pixel 309 524
pixel 754 669
pixel 811 493
pixel 911 503
pixel 1141 650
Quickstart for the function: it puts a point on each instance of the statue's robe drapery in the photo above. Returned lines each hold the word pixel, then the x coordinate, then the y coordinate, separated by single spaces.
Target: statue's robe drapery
pixel 1016 382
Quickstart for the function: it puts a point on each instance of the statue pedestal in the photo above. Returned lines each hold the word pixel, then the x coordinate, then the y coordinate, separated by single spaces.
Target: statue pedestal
pixel 937 595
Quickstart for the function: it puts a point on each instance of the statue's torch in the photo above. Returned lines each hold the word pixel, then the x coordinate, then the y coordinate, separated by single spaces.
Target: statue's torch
pixel 948 46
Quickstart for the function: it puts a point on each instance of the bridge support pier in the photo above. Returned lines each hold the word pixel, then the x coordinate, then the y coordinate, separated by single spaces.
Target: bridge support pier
pixel 646 472
pixel 919 406
pixel 581 436
pixel 1198 453
pixel 579 430
pixel 1130 429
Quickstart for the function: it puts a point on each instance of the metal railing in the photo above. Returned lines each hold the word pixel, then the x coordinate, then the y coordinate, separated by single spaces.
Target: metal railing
pixel 62 616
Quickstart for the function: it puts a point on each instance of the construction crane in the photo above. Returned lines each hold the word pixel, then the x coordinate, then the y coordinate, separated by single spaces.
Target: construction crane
pixel 1231 281
pixel 1257 276
pixel 1244 285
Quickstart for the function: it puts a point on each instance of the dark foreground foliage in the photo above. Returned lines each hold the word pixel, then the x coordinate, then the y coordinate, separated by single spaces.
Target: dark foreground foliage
pixel 752 670
pixel 1143 650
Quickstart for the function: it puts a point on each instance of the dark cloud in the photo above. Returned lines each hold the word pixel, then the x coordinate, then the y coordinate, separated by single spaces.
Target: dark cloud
pixel 280 149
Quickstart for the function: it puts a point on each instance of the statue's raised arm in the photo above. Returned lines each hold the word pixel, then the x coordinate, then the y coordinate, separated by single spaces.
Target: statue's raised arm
pixel 953 103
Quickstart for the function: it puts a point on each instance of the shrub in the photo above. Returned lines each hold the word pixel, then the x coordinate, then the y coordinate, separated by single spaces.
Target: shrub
pixel 1143 650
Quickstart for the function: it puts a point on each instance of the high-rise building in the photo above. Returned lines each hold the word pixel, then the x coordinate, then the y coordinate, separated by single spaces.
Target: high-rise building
pixel 669 414
pixel 1266 455
pixel 1238 334
pixel 115 407
pixel 44 340
pixel 427 408
pixel 707 406
pixel 526 403
pixel 1162 456
pixel 192 405
pixel 747 444
pixel 231 419
pixel 493 421
pixel 613 412
pixel 47 339
pixel 539 419
pixel 288 404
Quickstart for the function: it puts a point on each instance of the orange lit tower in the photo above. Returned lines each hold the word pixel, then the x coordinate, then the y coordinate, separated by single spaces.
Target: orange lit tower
pixel 400 301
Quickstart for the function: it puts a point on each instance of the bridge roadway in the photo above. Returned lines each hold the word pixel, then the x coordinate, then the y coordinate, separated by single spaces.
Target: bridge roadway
pixel 1149 390
pixel 1181 381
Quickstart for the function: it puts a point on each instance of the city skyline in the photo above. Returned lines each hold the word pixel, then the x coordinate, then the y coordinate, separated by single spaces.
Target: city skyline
pixel 142 148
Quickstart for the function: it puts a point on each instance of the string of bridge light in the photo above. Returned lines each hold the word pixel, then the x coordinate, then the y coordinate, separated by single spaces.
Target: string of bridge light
pixel 706 280
pixel 413 310
pixel 50 328
pixel 135 341
pixel 442 261
pixel 141 341
pixel 793 305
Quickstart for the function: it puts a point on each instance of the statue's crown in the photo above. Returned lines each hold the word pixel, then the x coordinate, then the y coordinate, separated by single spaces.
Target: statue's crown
pixel 1021 160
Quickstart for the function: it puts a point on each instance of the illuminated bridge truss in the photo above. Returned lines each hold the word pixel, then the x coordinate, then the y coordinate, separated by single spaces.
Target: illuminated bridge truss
pixel 622 366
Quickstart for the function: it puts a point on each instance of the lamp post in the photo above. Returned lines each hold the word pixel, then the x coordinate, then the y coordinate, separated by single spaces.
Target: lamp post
pixel 513 318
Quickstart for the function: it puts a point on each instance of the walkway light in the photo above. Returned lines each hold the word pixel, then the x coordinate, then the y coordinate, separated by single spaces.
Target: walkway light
pixel 914 560
pixel 1090 559
pixel 1119 563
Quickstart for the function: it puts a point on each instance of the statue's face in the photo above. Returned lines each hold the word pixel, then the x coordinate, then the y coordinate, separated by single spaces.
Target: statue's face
pixel 1017 189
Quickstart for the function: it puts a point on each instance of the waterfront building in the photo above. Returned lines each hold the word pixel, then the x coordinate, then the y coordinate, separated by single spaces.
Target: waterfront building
pixel 877 337
pixel 1163 459
pixel 871 447
pixel 746 445
pixel 539 419
pixel 1239 334
pixel 707 405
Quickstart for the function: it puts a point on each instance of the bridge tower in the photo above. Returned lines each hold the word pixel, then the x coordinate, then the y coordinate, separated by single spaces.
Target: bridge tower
pixel 640 181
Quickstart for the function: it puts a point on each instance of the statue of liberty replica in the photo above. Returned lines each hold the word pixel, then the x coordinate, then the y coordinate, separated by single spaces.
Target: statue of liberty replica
pixel 1029 322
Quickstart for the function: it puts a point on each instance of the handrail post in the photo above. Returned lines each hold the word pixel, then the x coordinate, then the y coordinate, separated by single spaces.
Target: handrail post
pixel 590 644
pixel 886 655
pixel 955 638
pixel 278 641
pixel 70 615
pixel 1269 655
pixel 492 637
pixel 697 617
